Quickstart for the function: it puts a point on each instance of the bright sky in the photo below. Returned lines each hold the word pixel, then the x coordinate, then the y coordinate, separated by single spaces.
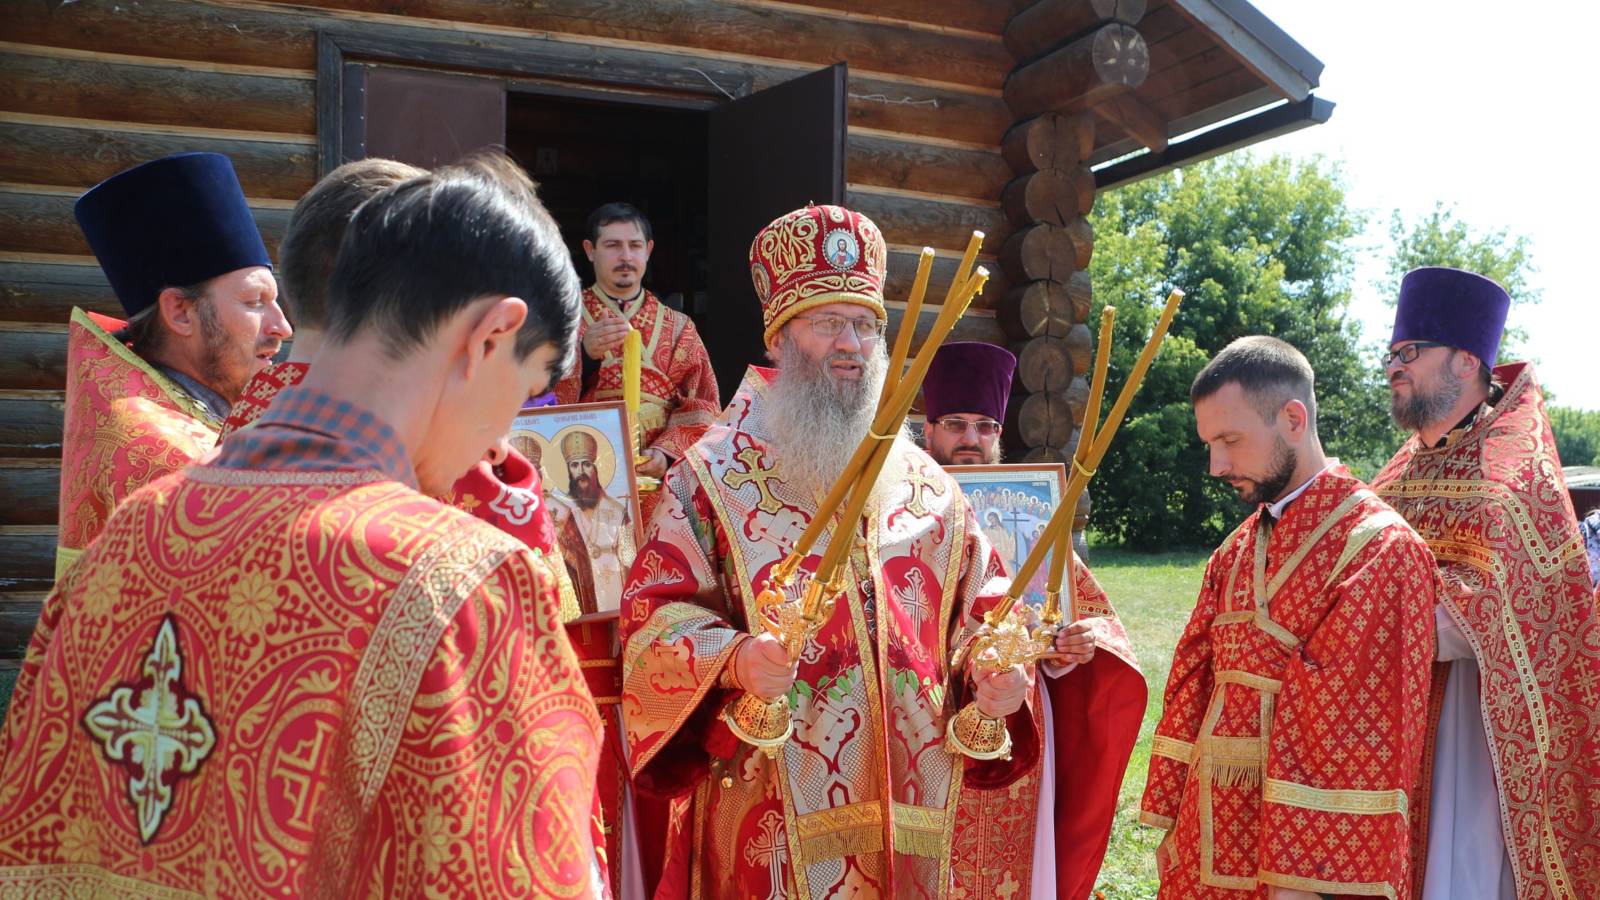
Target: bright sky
pixel 1479 104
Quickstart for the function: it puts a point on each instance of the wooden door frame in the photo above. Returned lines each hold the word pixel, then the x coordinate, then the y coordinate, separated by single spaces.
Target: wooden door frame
pixel 648 79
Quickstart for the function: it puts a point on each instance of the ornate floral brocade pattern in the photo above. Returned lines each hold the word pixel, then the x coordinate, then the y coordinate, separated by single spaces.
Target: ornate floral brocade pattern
pixel 1495 511
pixel 126 425
pixel 1295 709
pixel 862 797
pixel 396 707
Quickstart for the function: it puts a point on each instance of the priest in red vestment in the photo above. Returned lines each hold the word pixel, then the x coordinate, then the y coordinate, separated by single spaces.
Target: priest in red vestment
pixel 861 800
pixel 1513 814
pixel 146 396
pixel 1292 732
pixel 288 671
pixel 677 389
pixel 1045 835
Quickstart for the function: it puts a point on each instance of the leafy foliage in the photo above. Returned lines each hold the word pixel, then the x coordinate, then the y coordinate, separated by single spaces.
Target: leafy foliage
pixel 1577 435
pixel 1261 246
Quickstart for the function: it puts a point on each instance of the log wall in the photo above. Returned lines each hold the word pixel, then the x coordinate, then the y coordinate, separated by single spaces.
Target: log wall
pixel 94 86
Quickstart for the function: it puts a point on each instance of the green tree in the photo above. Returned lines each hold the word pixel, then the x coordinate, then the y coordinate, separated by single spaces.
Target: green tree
pixel 1262 245
pixel 1441 239
pixel 1577 435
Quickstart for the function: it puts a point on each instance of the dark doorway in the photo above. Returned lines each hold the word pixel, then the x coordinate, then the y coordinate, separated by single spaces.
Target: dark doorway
pixel 585 153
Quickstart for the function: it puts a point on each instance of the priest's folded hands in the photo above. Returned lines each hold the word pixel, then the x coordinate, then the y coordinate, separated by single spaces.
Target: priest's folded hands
pixel 1075 642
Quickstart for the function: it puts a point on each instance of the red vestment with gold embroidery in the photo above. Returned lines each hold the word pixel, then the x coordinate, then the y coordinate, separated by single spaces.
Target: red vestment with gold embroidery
pixel 510 497
pixel 126 425
pixel 1292 733
pixel 1495 510
pixel 677 389
pixel 300 682
pixel 863 796
pixel 1095 713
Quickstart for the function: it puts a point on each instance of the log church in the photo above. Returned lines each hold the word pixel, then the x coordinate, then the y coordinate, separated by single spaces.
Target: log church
pixel 934 117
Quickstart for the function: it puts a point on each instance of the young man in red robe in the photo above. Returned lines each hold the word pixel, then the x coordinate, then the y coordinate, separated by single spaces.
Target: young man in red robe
pixel 1291 737
pixel 145 397
pixel 1512 814
pixel 678 391
pixel 288 671
pixel 1047 833
pixel 861 800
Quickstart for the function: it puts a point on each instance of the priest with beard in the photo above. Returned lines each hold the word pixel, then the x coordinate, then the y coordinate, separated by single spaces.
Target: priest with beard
pixel 1049 830
pixel 860 801
pixel 1511 814
pixel 1291 730
pixel 147 396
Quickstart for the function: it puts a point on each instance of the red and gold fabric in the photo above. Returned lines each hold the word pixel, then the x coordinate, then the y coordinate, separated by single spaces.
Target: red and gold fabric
pixel 259 391
pixel 1095 712
pixel 1495 510
pixel 126 425
pixel 813 257
pixel 294 682
pixel 678 397
pixel 862 799
pixel 1292 733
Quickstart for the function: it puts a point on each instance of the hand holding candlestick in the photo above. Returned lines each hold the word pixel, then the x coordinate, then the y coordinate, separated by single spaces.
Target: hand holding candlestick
pixel 767 723
pixel 996 643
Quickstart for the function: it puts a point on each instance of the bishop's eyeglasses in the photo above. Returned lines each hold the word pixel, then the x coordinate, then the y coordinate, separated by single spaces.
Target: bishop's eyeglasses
pixel 984 427
pixel 1408 354
pixel 832 326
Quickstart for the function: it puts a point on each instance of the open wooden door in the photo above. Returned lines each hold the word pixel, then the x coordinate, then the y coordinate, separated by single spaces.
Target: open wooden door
pixel 419 117
pixel 771 152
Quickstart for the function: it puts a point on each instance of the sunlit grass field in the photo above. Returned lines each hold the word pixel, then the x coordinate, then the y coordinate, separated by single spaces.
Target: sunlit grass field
pixel 1153 594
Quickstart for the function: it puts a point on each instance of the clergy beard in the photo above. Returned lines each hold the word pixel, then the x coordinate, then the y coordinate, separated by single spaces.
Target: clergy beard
pixel 1266 488
pixel 814 421
pixel 585 492
pixel 1425 407
pixel 224 367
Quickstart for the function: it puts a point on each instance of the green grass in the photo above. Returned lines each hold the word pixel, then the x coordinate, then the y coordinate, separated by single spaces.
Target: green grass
pixel 1153 594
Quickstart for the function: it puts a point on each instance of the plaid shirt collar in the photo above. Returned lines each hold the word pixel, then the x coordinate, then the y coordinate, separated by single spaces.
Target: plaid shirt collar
pixel 308 430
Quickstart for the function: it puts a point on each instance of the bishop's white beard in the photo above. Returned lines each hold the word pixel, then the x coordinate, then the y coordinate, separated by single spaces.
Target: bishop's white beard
pixel 814 422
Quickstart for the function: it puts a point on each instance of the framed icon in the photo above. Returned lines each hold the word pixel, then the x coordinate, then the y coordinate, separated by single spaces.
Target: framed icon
pixel 585 464
pixel 1013 503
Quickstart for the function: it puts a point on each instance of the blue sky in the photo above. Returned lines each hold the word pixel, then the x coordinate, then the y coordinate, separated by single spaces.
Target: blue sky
pixel 1482 105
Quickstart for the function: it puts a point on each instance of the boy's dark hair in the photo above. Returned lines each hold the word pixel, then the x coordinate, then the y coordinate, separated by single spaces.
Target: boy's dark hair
pixel 425 249
pixel 316 229
pixel 1270 371
pixel 616 212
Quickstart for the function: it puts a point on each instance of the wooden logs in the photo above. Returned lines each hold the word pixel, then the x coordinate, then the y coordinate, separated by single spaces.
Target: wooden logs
pixel 36 289
pixel 1037 253
pixel 1046 23
pixel 1050 418
pixel 30 425
pixel 1099 65
pixel 32 489
pixel 18 613
pixel 30 555
pixel 1050 141
pixel 1050 364
pixel 1053 196
pixel 32 359
pixel 1082 240
pixel 1046 308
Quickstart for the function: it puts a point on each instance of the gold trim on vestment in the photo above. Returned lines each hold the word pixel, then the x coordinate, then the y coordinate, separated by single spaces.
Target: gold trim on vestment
pixel 839 831
pixel 205 474
pixel 1318 886
pixel 65 557
pixel 86 880
pixel 1172 748
pixel 919 830
pixel 1365 803
pixel 1156 821
pixel 186 404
